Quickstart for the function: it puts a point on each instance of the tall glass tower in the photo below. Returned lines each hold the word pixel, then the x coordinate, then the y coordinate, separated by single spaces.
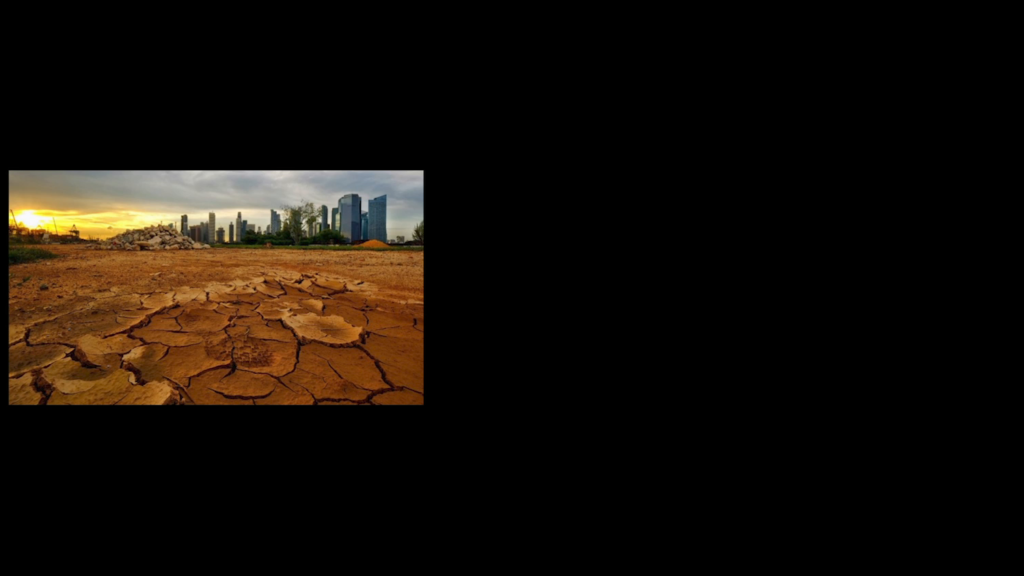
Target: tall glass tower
pixel 349 208
pixel 365 225
pixel 379 219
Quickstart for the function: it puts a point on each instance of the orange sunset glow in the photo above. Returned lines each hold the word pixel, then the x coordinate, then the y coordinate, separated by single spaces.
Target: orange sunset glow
pixel 96 225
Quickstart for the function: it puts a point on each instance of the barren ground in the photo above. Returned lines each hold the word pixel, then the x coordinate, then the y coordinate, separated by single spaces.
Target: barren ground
pixel 220 326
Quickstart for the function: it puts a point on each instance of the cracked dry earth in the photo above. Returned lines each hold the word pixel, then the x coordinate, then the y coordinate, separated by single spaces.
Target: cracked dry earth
pixel 282 337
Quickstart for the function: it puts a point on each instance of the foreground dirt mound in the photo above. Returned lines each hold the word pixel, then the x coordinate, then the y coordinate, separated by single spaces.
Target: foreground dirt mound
pixel 152 238
pixel 280 338
pixel 373 244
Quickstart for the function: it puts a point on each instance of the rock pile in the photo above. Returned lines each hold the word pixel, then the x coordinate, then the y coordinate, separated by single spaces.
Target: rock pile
pixel 152 238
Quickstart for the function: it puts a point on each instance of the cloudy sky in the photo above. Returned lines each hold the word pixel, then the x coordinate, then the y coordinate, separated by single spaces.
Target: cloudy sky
pixel 105 203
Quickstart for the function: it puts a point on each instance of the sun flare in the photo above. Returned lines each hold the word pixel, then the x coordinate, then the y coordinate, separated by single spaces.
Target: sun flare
pixel 29 219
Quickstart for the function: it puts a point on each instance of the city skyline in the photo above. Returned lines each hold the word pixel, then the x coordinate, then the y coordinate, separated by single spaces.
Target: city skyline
pixel 105 203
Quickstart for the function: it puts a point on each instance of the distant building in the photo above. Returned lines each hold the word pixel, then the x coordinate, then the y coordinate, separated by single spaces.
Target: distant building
pixel 184 224
pixel 392 241
pixel 365 225
pixel 401 239
pixel 212 229
pixel 323 217
pixel 172 225
pixel 275 222
pixel 239 229
pixel 249 227
pixel 220 235
pixel 334 218
pixel 231 232
pixel 378 218
pixel 350 207
pixel 245 228
pixel 195 233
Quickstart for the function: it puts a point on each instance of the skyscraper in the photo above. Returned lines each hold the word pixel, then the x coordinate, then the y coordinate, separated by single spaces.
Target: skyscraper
pixel 365 226
pixel 220 235
pixel 334 218
pixel 204 232
pixel 212 230
pixel 184 224
pixel 379 219
pixel 350 207
pixel 259 229
pixel 275 222
pixel 239 231
pixel 194 232
pixel 245 228
pixel 231 232
pixel 323 217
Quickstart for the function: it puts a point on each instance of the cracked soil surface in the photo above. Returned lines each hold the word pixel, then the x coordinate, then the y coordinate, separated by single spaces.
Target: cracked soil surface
pixel 219 326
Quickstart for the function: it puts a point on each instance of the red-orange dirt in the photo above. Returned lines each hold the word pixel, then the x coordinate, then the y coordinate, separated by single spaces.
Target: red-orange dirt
pixel 373 244
pixel 220 326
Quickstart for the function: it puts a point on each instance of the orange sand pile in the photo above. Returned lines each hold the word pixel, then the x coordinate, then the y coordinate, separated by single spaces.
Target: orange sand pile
pixel 373 244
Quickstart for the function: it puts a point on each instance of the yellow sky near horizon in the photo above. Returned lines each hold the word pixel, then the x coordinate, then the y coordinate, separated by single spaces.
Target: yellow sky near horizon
pixel 97 225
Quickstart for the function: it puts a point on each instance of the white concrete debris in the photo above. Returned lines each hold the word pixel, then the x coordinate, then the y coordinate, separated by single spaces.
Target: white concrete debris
pixel 152 238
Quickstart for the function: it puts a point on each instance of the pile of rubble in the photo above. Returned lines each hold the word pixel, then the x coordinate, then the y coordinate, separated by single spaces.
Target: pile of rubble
pixel 152 238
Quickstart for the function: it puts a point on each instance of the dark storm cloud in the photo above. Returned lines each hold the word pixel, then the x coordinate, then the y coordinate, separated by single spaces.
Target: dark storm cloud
pixel 198 192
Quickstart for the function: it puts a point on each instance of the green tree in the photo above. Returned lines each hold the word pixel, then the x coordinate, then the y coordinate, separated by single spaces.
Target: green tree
pixel 326 236
pixel 417 232
pixel 296 215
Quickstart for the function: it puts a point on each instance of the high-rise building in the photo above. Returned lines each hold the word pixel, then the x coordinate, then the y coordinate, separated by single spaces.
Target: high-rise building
pixel 239 229
pixel 259 229
pixel 248 227
pixel 323 217
pixel 184 224
pixel 220 235
pixel 334 218
pixel 231 232
pixel 275 222
pixel 365 226
pixel 212 230
pixel 194 232
pixel 204 232
pixel 379 219
pixel 350 207
pixel 401 239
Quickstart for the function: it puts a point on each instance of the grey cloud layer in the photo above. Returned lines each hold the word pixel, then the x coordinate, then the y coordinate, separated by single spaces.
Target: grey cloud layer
pixel 198 192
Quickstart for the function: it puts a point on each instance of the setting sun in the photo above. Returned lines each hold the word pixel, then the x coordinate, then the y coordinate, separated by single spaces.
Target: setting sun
pixel 29 219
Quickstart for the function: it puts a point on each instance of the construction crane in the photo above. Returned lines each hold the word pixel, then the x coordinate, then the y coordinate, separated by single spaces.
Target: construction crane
pixel 56 233
pixel 16 226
